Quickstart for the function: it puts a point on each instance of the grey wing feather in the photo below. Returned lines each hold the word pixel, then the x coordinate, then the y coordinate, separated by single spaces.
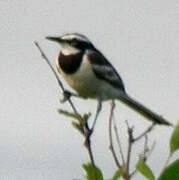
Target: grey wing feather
pixel 104 70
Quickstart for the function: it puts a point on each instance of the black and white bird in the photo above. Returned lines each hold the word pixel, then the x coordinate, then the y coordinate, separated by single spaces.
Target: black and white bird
pixel 91 75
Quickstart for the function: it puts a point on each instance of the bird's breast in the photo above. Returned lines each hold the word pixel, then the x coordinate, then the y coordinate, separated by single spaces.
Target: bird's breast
pixel 78 74
pixel 83 79
pixel 69 64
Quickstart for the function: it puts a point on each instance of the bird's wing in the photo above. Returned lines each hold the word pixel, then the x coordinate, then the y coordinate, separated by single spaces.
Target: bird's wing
pixel 104 70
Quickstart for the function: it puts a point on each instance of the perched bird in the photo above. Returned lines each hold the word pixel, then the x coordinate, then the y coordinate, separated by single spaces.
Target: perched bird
pixel 91 75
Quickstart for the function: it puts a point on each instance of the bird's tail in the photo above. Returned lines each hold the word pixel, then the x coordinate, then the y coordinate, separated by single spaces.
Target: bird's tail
pixel 141 109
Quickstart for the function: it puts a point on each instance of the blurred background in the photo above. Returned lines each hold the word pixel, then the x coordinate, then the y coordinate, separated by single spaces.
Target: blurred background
pixel 141 39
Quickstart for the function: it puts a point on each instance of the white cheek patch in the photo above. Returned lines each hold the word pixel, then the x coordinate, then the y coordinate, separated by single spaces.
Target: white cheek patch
pixel 69 50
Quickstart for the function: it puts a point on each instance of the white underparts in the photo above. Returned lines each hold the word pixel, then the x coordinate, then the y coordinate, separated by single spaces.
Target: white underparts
pixel 85 82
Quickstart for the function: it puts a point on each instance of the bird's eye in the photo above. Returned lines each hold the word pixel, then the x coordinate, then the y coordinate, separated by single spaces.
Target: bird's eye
pixel 74 42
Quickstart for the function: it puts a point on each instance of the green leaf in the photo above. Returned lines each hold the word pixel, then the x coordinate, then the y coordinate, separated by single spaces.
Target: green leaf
pixel 171 172
pixel 174 141
pixel 82 119
pixel 69 114
pixel 92 173
pixel 144 169
pixel 117 175
pixel 78 126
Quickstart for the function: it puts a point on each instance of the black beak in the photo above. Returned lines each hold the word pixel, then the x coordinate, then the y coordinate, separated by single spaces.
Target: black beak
pixel 56 39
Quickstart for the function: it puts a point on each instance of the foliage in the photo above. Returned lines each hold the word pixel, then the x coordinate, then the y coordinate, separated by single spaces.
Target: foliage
pixel 174 141
pixel 117 175
pixel 144 169
pixel 171 172
pixel 92 173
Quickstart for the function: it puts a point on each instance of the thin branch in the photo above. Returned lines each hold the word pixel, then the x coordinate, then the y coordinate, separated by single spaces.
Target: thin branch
pixel 130 143
pixel 150 128
pixel 56 76
pixel 146 148
pixel 146 153
pixel 87 134
pixel 86 130
pixel 118 141
pixel 111 145
pixel 166 162
pixel 50 65
pixel 143 155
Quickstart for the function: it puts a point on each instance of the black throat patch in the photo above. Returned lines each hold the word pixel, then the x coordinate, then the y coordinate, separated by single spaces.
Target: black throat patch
pixel 70 63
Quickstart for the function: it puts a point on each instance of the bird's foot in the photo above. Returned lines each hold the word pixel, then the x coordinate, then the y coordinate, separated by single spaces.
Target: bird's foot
pixel 66 96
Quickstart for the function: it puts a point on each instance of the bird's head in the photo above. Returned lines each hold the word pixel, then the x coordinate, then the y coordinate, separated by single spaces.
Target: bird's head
pixel 72 43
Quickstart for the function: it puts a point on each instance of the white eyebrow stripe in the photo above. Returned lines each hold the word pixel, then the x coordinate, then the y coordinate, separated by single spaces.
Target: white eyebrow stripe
pixel 73 36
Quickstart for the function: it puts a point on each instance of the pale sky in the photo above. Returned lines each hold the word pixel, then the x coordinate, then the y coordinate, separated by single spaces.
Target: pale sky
pixel 141 39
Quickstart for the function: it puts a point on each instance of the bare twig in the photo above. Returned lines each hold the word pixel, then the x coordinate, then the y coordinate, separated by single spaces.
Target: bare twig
pixel 125 166
pixel 166 162
pixel 86 130
pixel 145 154
pixel 118 141
pixel 147 151
pixel 146 148
pixel 111 145
pixel 130 143
pixel 151 149
pixel 56 76
pixel 150 128
pixel 87 133
pixel 50 65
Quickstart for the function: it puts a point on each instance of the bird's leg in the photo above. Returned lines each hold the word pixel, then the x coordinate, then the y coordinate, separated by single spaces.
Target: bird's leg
pixel 99 107
pixel 67 95
pixel 113 104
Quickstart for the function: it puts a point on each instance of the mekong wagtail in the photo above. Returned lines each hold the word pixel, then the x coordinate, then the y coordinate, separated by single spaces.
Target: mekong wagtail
pixel 91 75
